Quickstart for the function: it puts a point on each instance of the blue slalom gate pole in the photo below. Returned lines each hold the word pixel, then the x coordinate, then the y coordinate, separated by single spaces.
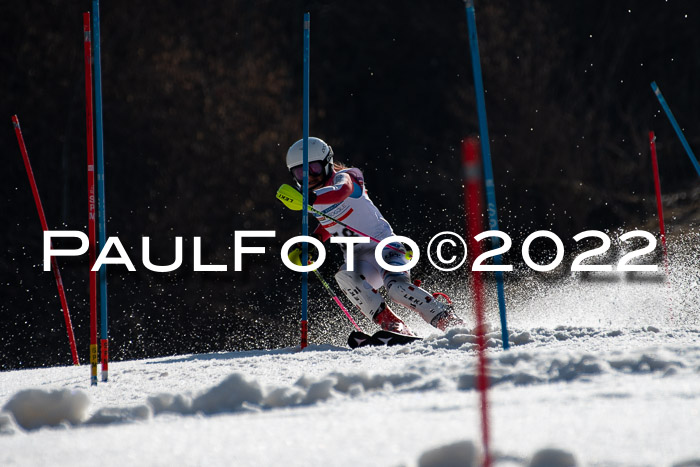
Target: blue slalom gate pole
pixel 486 156
pixel 305 189
pixel 101 216
pixel 675 125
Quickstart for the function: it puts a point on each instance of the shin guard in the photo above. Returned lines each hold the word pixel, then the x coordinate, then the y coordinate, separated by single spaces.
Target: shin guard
pixel 411 296
pixel 360 293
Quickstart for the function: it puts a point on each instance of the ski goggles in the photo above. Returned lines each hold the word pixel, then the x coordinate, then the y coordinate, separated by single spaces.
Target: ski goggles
pixel 315 169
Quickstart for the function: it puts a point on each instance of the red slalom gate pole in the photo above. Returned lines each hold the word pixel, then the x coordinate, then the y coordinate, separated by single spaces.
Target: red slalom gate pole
pixel 472 203
pixel 44 226
pixel 91 197
pixel 657 186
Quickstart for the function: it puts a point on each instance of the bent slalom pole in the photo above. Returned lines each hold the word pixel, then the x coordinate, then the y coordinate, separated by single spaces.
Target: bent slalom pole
pixel 675 125
pixel 336 299
pixel 44 226
pixel 291 198
pixel 486 160
pixel 657 189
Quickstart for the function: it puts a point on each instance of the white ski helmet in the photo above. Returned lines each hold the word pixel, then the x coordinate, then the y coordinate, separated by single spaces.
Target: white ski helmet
pixel 318 151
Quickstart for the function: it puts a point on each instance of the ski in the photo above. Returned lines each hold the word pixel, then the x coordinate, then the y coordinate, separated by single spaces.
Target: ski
pixel 379 338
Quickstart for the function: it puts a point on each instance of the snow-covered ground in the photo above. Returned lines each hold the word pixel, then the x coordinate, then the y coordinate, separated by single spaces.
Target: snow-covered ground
pixel 601 372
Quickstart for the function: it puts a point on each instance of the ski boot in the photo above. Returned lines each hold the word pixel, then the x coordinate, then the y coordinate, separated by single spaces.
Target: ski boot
pixel 447 319
pixel 388 321
pixel 433 311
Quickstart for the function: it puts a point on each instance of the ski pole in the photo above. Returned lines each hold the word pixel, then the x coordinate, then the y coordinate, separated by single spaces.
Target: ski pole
pixel 336 299
pixel 292 199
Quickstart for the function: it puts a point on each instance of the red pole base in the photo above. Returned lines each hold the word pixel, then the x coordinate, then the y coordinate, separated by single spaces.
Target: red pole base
pixel 304 334
pixel 104 347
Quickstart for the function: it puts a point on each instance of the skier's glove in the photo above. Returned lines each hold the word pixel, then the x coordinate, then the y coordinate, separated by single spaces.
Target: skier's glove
pixel 312 198
pixel 292 198
pixel 295 255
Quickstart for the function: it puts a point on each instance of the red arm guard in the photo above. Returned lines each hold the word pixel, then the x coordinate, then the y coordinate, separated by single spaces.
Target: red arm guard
pixel 321 233
pixel 335 193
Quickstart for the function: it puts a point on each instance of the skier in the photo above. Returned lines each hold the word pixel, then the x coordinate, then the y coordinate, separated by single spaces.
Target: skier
pixel 340 192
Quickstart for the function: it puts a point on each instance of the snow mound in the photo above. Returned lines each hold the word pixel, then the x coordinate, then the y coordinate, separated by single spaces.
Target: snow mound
pixel 552 458
pixel 526 368
pixel 318 391
pixel 459 454
pixel 233 394
pixel 467 454
pixel 688 463
pixel 345 382
pixel 170 403
pixel 236 393
pixel 35 408
pixel 7 424
pixel 109 415
pixel 466 339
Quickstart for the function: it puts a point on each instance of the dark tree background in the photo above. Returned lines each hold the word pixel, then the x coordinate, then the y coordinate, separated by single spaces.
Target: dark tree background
pixel 202 100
